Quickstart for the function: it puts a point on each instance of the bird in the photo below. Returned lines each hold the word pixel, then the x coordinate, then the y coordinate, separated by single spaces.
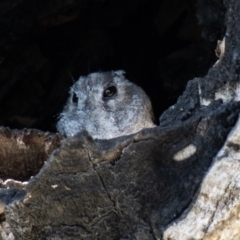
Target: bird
pixel 106 105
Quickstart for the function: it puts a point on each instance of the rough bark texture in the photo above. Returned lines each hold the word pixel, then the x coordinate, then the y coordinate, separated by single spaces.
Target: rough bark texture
pixel 147 185
pixel 129 187
pixel 23 152
pixel 214 215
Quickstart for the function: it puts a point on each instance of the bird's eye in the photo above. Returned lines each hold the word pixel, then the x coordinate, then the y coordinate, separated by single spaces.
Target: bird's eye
pixel 74 98
pixel 109 92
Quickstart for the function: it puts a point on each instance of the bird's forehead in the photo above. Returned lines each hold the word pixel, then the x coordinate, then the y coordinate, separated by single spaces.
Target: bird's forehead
pixel 94 82
pixel 99 79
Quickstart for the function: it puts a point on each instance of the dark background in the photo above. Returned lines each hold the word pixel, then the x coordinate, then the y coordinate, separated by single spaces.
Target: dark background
pixel 46 45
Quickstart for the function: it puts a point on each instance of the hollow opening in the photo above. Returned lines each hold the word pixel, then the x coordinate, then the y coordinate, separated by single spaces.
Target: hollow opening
pixel 160 44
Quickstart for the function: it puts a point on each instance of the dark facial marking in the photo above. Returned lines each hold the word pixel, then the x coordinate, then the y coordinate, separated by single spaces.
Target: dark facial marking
pixel 74 98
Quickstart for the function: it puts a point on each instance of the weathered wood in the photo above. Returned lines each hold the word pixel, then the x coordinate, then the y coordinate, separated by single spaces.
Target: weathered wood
pixel 213 215
pixel 23 152
pixel 144 186
pixel 128 187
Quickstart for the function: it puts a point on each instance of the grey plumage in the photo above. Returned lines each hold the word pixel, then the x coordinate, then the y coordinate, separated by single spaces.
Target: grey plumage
pixel 106 105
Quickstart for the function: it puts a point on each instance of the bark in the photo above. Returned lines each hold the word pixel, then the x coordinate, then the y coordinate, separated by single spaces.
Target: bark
pixel 177 181
pixel 129 187
pixel 23 152
pixel 214 214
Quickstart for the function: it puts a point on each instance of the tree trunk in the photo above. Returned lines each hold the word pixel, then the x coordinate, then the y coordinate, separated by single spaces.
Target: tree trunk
pixel 179 180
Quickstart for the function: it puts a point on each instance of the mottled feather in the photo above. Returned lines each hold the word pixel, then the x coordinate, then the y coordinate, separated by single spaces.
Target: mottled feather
pixel 106 105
